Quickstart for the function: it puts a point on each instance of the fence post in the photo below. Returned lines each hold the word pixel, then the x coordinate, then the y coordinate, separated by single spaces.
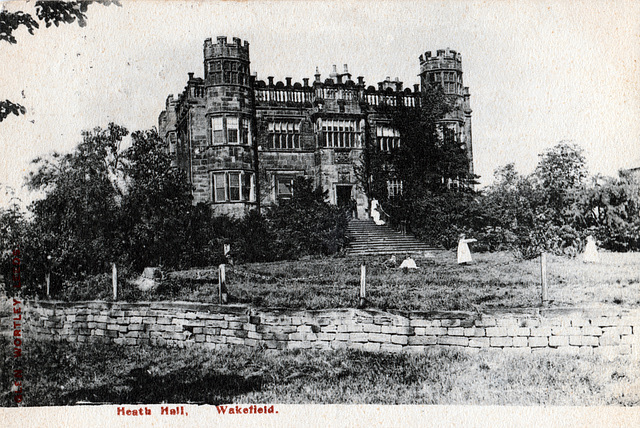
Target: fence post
pixel 363 286
pixel 543 275
pixel 226 248
pixel 47 276
pixel 114 281
pixel 222 286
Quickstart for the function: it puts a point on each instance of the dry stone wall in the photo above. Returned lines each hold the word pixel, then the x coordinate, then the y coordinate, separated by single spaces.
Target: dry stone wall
pixel 580 331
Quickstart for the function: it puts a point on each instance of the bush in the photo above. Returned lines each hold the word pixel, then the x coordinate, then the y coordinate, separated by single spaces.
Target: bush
pixel 303 225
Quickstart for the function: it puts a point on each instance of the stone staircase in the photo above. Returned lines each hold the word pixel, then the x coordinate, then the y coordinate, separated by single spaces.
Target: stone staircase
pixel 371 239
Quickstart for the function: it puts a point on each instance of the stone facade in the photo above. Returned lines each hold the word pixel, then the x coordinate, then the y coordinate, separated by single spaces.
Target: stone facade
pixel 241 140
pixel 578 331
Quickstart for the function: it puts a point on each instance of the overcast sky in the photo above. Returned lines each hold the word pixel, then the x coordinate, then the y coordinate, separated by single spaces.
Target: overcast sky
pixel 538 72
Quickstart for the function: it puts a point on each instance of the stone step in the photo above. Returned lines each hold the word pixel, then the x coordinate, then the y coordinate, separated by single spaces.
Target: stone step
pixel 369 238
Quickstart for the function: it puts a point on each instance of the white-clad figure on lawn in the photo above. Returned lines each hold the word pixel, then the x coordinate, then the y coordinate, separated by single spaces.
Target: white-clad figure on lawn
pixel 375 214
pixel 408 263
pixel 590 254
pixel 464 254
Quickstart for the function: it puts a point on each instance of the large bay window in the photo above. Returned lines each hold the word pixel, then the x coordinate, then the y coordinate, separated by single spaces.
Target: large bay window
pixel 388 138
pixel 230 130
pixel 284 135
pixel 233 186
pixel 341 133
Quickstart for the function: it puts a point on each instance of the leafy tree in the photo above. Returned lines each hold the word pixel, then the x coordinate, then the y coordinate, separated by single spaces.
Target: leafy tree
pixel 440 217
pixel 12 228
pixel 560 172
pixel 254 240
pixel 608 208
pixel 76 222
pixel 434 171
pixel 306 223
pixel 7 107
pixel 157 205
pixel 49 12
pixel 205 235
pixel 425 160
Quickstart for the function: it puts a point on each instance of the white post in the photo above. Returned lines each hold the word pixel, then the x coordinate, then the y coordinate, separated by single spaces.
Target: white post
pixel 47 278
pixel 114 281
pixel 363 285
pixel 222 286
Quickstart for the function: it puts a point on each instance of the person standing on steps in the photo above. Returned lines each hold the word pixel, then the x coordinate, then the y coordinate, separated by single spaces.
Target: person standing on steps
pixel 375 213
pixel 464 254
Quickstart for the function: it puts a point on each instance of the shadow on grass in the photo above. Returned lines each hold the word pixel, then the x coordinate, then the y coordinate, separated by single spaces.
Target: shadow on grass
pixel 176 387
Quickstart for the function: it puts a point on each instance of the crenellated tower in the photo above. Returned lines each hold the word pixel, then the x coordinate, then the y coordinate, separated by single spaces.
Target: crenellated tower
pixel 226 63
pixel 445 69
pixel 228 164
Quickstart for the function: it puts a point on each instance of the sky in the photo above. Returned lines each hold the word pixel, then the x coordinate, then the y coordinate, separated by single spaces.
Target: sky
pixel 538 72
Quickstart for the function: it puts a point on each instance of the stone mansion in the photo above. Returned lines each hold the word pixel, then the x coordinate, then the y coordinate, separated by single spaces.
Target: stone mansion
pixel 241 141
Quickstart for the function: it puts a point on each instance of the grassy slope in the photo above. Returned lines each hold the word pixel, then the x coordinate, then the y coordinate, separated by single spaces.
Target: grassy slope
pixel 496 280
pixel 63 374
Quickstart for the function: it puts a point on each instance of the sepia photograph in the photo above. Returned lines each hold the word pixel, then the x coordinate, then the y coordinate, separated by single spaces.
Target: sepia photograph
pixel 319 213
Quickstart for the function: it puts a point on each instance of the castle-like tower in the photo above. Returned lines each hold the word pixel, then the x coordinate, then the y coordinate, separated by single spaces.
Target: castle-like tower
pixel 242 141
pixel 445 69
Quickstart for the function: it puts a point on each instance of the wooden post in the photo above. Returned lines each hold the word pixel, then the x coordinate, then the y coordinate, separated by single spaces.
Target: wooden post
pixel 227 253
pixel 47 278
pixel 363 285
pixel 223 296
pixel 543 275
pixel 114 280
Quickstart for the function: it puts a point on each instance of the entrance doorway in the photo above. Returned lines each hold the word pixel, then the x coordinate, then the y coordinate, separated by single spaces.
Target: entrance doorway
pixel 343 196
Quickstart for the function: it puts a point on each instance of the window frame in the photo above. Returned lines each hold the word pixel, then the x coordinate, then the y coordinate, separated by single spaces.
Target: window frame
pixel 245 189
pixel 278 177
pixel 284 134
pixel 341 133
pixel 394 188
pixel 241 132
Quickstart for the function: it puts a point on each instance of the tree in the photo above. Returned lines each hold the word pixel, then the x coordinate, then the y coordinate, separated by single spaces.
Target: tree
pixel 609 209
pixel 12 227
pixel 561 171
pixel 156 207
pixel 76 221
pixel 49 12
pixel 434 170
pixel 306 224
pixel 425 160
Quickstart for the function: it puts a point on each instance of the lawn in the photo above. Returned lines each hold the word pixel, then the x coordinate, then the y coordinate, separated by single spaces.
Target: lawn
pixel 494 280
pixel 66 374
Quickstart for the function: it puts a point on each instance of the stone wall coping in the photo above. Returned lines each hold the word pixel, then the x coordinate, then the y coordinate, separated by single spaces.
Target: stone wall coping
pixel 369 312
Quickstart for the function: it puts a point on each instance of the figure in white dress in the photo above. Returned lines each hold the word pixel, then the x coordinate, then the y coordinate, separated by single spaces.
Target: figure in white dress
pixel 375 214
pixel 464 254
pixel 408 263
pixel 590 251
